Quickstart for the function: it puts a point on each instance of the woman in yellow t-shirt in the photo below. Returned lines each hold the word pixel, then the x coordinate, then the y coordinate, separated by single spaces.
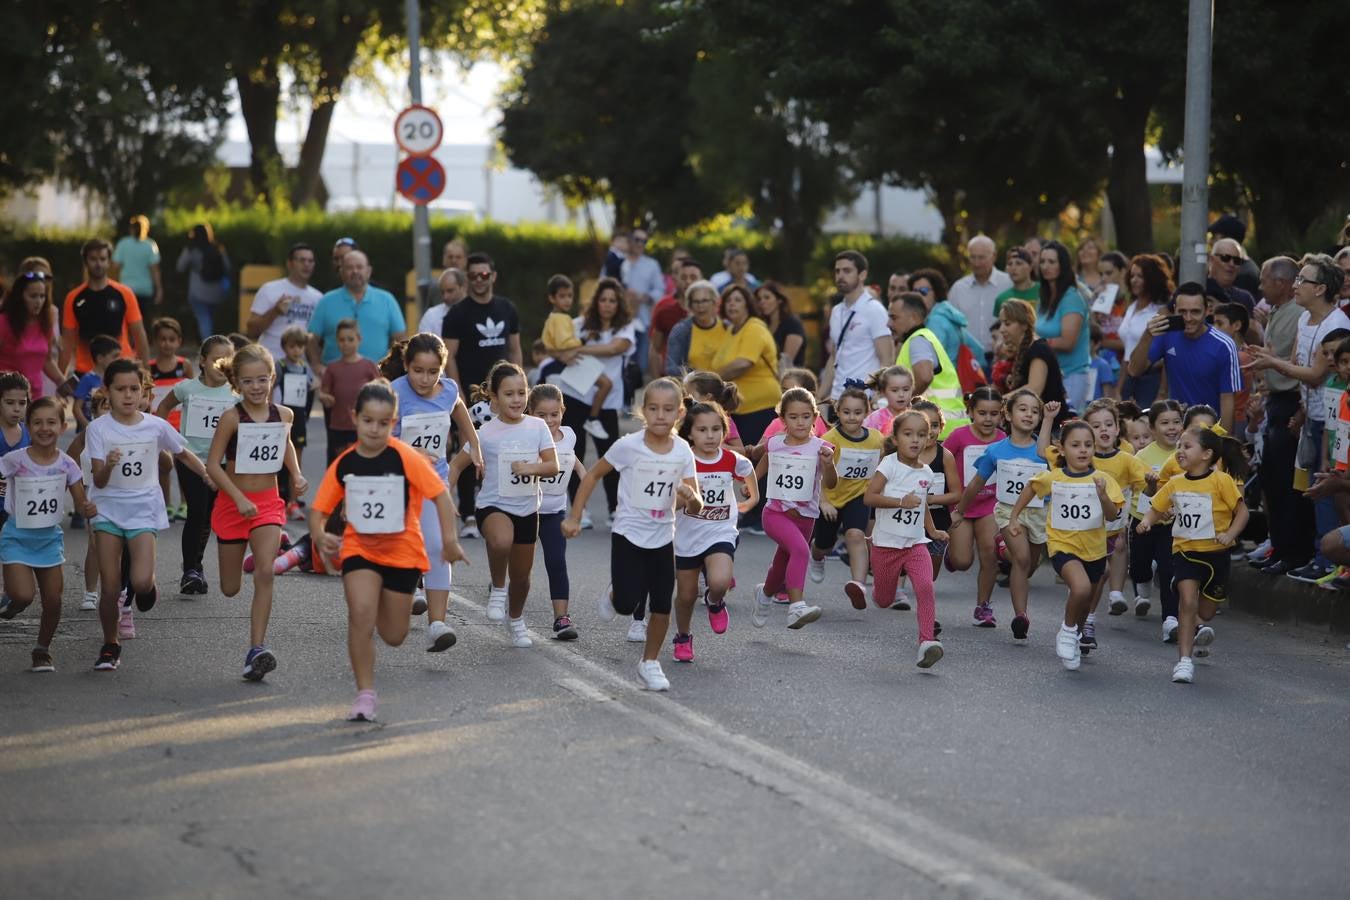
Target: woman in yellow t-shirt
pixel 1082 501
pixel 857 452
pixel 748 356
pixel 1208 516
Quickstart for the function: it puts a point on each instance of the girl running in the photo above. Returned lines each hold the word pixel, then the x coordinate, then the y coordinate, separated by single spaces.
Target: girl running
pixel 124 449
pixel 857 451
pixel 381 483
pixel 1209 516
pixel 1082 501
pixel 705 542
pixel 896 385
pixel 1012 463
pixel 251 446
pixel 806 380
pixel 1151 552
pixel 516 450
pixel 708 387
pixel 428 403
pixel 167 369
pixel 98 406
pixel 900 491
pixel 973 526
pixel 797 464
pixel 15 395
pixel 656 476
pixel 944 490
pixel 32 547
pixel 546 402
pixel 204 400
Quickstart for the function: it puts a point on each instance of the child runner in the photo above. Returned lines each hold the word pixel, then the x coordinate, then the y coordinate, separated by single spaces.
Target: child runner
pixel 103 350
pixel 973 527
pixel 656 476
pixel 204 399
pixel 296 382
pixel 1152 550
pixel 77 451
pixel 1134 430
pixel 708 387
pixel 546 402
pixel 896 386
pixel 32 548
pixel 560 334
pixel 1082 501
pixel 381 483
pixel 167 369
pixel 857 451
pixel 428 403
pixel 797 464
pixel 516 449
pixel 705 542
pixel 792 378
pixel 124 449
pixel 899 490
pixel 1209 515
pixel 249 449
pixel 342 380
pixel 15 395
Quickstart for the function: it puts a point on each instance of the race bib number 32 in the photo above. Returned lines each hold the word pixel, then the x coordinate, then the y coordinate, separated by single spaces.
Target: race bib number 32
pixel 374 503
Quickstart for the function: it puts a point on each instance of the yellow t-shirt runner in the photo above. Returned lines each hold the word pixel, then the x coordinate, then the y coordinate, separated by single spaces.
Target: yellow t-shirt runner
pixel 1074 523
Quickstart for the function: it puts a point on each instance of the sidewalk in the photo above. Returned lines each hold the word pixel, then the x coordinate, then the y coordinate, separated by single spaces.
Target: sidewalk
pixel 1282 599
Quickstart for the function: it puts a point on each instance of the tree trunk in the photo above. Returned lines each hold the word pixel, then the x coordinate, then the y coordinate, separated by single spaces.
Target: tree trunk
pixel 259 94
pixel 944 198
pixel 308 176
pixel 1127 179
pixel 335 61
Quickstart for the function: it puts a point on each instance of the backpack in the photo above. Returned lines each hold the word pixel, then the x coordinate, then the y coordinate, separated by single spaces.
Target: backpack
pixel 213 265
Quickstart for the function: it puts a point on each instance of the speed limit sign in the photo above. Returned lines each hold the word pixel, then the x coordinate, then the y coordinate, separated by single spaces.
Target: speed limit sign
pixel 418 130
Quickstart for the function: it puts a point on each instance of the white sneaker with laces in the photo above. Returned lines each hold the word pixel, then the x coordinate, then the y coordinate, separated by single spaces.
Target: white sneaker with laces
pixel 596 430
pixel 1118 604
pixel 1141 606
pixel 651 677
pixel 496 605
pixel 90 600
pixel 637 632
pixel 1067 648
pixel 606 604
pixel 1184 671
pixel 419 605
pixel 759 616
pixel 469 530
pixel 1204 636
pixel 929 653
pixel 586 523
pixel 519 633
pixel 800 615
pixel 440 637
pixel 816 569
pixel 1169 629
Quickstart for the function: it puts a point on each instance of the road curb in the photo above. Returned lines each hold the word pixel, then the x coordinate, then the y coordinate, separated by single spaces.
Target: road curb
pixel 1283 599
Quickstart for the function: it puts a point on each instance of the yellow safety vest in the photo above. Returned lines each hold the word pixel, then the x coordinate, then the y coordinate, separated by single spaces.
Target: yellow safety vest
pixel 945 389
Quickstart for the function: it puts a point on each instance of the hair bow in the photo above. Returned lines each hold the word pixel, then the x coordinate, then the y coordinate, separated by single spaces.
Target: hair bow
pixel 855 383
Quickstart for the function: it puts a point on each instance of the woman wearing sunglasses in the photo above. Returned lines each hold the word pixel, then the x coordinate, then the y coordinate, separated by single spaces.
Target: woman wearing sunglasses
pixel 28 335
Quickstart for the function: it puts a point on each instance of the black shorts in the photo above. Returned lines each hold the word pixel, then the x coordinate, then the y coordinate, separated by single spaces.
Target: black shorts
pixel 852 515
pixel 1208 567
pixel 400 581
pixel 300 428
pixel 1095 569
pixel 526 528
pixel 685 563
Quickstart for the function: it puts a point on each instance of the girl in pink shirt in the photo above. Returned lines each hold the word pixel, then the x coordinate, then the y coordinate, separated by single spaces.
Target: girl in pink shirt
pixel 973 526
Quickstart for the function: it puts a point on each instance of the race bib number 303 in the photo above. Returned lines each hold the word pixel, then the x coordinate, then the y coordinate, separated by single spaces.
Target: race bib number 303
pixel 1074 506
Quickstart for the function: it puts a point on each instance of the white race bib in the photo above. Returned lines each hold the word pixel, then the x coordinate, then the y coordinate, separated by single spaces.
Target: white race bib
pixel 969 457
pixel 260 447
pixel 138 467
pixel 1341 449
pixel 374 503
pixel 900 525
pixel 554 485
pixel 426 432
pixel 1194 513
pixel 939 485
pixel 1012 476
pixel 1118 523
pixel 792 479
pixel 1331 398
pixel 718 495
pixel 653 485
pixel 203 416
pixel 858 465
pixel 294 389
pixel 509 484
pixel 37 500
pixel 1075 506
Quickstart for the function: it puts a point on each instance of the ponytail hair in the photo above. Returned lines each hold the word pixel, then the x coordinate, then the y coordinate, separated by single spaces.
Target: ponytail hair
pixel 377 391
pixel 1064 430
pixel 694 408
pixel 1227 450
pixel 981 394
pixel 501 371
pixel 877 380
pixel 392 366
pixel 710 384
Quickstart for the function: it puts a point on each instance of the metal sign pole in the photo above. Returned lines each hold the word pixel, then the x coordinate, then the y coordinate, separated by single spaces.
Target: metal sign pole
pixel 1195 144
pixel 421 219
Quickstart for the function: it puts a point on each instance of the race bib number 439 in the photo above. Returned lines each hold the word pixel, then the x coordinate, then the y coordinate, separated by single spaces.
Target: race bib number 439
pixel 792 479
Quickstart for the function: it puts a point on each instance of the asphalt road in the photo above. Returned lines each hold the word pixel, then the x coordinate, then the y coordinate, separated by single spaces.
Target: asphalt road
pixel 781 764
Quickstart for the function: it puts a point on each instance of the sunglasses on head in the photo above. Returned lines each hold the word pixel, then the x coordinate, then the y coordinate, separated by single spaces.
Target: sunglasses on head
pixel 480 276
pixel 34 276
pixel 344 242
pixel 1228 258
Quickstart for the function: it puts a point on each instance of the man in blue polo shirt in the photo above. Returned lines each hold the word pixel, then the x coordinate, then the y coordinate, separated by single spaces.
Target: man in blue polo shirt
pixel 374 309
pixel 1201 361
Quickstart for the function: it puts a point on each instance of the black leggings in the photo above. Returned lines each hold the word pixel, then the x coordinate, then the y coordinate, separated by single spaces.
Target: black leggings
pixel 641 576
pixel 197 529
pixel 1145 550
pixel 555 554
pixel 575 416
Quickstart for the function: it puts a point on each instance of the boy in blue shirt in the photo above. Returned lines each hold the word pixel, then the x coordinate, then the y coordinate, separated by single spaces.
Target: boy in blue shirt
pixel 1104 366
pixel 104 350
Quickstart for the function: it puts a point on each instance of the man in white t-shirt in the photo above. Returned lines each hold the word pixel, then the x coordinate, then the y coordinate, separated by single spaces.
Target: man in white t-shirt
pixel 454 285
pixel 860 336
pixel 975 294
pixel 284 302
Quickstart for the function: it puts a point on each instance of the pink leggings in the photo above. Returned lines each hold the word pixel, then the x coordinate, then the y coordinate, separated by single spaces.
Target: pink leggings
pixel 792 534
pixel 887 566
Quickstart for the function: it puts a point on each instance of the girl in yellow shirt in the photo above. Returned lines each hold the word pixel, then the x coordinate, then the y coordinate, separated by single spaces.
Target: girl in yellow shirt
pixel 1209 515
pixel 857 452
pixel 1154 549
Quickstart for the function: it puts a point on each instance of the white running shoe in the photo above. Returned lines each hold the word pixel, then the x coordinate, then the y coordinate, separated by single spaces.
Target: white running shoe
pixel 606 604
pixel 902 600
pixel 586 523
pixel 1184 671
pixel 1118 603
pixel 596 430
pixel 1204 636
pixel 816 569
pixel 469 530
pixel 759 616
pixel 419 601
pixel 496 605
pixel 1169 629
pixel 440 637
pixel 637 632
pixel 1141 605
pixel 651 676
pixel 90 600
pixel 519 633
pixel 1067 649
pixel 929 653
pixel 800 615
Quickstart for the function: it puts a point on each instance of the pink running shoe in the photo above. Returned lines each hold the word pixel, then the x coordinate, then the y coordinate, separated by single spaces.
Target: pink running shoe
pixel 126 623
pixel 363 710
pixel 983 617
pixel 782 597
pixel 684 648
pixel 718 617
pixel 857 594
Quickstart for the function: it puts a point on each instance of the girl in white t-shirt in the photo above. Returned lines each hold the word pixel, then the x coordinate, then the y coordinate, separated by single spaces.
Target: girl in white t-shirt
pixel 124 449
pixel 516 450
pixel 705 542
pixel 546 402
pixel 656 475
pixel 899 491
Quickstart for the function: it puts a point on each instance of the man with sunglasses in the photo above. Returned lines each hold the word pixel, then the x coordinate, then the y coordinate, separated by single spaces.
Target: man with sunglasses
pixel 1226 259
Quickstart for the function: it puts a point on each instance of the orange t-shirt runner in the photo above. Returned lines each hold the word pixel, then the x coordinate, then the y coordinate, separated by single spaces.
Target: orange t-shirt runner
pixel 109 310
